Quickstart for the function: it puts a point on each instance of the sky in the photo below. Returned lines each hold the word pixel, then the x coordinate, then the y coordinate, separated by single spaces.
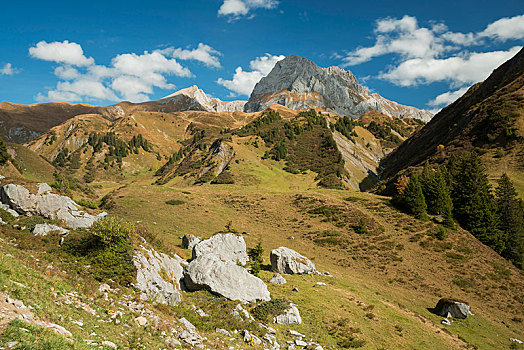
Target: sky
pixel 419 53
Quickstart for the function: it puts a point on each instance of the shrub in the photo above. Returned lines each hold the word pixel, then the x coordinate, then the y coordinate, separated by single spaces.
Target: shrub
pixel 267 309
pixel 361 228
pixel 108 248
pixel 87 203
pixel 441 233
pixel 255 256
pixel 224 177
pixel 175 202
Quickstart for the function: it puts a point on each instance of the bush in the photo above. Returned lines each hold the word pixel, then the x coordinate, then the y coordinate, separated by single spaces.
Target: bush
pixel 361 228
pixel 267 309
pixel 223 178
pixel 175 202
pixel 87 203
pixel 108 247
pixel 255 256
pixel 441 233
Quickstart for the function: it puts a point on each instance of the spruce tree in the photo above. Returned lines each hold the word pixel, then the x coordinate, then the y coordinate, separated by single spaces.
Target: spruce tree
pixel 437 194
pixel 511 222
pixel 4 155
pixel 473 203
pixel 412 199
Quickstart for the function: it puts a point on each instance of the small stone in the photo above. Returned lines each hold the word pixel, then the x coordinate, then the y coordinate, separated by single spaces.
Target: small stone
pixel 109 344
pixel 294 289
pixel 321 284
pixel 296 334
pixel 141 321
pixel 12 344
pixel 446 322
pixel 299 342
pixel 223 331
pixel 104 287
pixel 516 340
pixel 59 329
pixel 277 279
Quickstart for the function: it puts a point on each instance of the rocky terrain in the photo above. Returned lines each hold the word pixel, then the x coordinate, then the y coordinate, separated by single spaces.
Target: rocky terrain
pixel 299 83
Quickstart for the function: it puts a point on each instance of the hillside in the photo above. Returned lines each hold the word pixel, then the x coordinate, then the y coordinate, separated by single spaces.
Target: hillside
pixel 386 278
pixel 489 118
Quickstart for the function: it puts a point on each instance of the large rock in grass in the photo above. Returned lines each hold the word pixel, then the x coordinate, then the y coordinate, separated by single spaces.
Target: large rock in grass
pixel 290 316
pixel 224 246
pixel 189 241
pixel 46 204
pixel 45 229
pixel 285 260
pixel 158 276
pixel 452 308
pixel 224 277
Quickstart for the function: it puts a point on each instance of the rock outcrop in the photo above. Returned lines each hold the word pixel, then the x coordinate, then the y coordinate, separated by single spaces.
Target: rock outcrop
pixel 158 276
pixel 299 83
pixel 452 308
pixel 223 246
pixel 285 260
pixel 224 277
pixel 189 241
pixel 45 229
pixel 290 316
pixel 46 204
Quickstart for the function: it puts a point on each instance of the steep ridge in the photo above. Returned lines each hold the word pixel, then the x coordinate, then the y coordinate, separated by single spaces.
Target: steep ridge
pixel 299 83
pixel 489 118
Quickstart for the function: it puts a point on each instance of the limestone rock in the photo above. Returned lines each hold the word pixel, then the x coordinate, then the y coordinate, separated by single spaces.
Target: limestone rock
pixel 189 241
pixel 285 260
pixel 189 335
pixel 48 205
pixel 452 308
pixel 45 229
pixel 290 316
pixel 158 276
pixel 277 279
pixel 224 246
pixel 194 99
pixel 299 83
pixel 225 278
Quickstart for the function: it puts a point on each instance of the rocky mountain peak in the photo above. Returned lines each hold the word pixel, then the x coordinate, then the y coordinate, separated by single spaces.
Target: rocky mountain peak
pixel 193 98
pixel 298 83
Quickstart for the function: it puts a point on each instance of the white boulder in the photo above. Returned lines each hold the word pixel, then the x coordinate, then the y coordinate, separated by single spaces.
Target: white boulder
pixel 285 260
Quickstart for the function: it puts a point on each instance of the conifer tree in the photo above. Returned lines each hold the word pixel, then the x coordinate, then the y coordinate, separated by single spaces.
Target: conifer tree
pixel 437 194
pixel 412 199
pixel 473 203
pixel 4 155
pixel 511 222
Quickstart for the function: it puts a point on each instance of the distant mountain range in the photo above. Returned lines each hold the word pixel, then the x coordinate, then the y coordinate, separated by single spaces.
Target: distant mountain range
pixel 295 82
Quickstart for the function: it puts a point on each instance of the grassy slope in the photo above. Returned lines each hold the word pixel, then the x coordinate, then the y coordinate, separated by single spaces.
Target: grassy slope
pixel 392 270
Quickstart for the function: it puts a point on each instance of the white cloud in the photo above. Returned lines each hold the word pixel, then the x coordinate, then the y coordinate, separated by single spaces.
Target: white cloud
pixel 505 28
pixel 238 8
pixel 8 69
pixel 203 53
pixel 423 55
pixel 401 36
pixel 471 68
pixel 447 97
pixel 61 52
pixel 129 76
pixel 243 82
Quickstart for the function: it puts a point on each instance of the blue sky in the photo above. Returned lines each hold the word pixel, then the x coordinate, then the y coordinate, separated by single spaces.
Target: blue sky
pixel 100 52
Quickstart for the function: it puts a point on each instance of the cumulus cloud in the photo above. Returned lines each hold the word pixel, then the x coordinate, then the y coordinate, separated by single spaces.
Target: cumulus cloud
pixel 424 55
pixel 129 76
pixel 239 8
pixel 243 81
pixel 203 53
pixel 448 97
pixel 8 69
pixel 458 70
pixel 61 52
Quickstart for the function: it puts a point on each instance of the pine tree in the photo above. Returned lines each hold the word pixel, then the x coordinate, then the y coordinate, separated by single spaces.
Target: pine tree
pixel 4 155
pixel 473 203
pixel 412 199
pixel 437 194
pixel 511 222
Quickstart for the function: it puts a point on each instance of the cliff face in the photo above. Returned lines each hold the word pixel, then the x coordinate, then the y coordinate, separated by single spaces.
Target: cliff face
pixel 194 99
pixel 299 83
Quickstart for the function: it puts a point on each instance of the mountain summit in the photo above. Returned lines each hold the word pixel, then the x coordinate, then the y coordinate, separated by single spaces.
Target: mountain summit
pixel 193 98
pixel 298 83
